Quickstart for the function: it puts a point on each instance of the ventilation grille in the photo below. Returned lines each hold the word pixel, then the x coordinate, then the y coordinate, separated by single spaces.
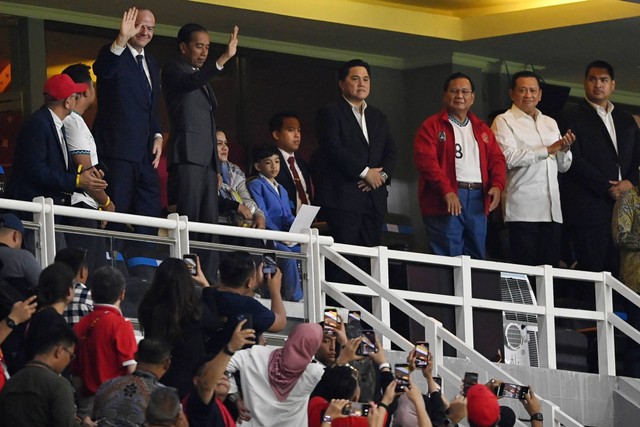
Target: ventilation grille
pixel 517 290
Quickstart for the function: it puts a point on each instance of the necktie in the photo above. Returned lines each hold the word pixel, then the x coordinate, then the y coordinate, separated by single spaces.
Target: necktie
pixel 140 58
pixel 296 180
pixel 63 146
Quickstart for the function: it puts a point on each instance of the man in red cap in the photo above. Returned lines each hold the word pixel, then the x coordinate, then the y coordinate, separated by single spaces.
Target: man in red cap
pixel 483 410
pixel 41 164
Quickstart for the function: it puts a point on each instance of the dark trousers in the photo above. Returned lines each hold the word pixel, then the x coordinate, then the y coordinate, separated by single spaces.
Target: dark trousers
pixel 134 188
pixel 194 191
pixel 353 228
pixel 594 247
pixel 535 243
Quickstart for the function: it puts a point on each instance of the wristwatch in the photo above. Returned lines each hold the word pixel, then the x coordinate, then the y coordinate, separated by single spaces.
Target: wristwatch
pixel 384 175
pixel 537 417
pixel 447 422
pixel 10 323
pixel 327 419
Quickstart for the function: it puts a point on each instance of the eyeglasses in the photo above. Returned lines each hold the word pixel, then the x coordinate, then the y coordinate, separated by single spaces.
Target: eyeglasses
pixel 226 374
pixel 72 355
pixel 463 92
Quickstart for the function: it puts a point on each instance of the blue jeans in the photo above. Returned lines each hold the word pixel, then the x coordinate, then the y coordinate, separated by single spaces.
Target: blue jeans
pixel 460 235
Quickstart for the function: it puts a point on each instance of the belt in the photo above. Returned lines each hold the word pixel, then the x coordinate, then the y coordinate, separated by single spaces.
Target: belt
pixel 470 185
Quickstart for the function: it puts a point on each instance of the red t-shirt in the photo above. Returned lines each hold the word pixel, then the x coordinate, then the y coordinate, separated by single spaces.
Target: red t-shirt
pixel 106 346
pixel 316 408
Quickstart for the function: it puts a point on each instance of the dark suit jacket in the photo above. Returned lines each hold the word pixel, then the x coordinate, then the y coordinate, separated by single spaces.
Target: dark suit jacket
pixel 285 179
pixel 191 104
pixel 344 153
pixel 126 121
pixel 38 164
pixel 584 187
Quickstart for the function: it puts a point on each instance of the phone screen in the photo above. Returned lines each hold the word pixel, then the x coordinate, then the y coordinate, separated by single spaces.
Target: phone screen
pixel 470 379
pixel 330 321
pixel 356 409
pixel 368 344
pixel 513 391
pixel 269 263
pixel 401 372
pixel 192 263
pixel 422 354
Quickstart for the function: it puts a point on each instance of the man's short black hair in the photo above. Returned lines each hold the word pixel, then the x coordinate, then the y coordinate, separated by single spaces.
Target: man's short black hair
pixel 263 151
pixel 106 284
pixel 521 74
pixel 153 351
pixel 76 258
pixel 52 336
pixel 277 120
pixel 235 268
pixel 458 75
pixel 599 64
pixel 185 33
pixel 343 71
pixel 79 73
pixel 54 283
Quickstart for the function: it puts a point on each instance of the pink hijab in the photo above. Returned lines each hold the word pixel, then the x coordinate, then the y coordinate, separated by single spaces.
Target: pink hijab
pixel 287 364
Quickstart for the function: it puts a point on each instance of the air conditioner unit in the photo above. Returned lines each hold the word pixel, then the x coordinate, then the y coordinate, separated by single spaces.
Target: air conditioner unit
pixel 520 330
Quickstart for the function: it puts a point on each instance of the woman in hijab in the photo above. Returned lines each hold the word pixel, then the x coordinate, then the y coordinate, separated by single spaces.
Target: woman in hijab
pixel 277 383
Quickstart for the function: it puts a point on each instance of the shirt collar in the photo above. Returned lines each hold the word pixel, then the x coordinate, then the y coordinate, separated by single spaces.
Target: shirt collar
pixel 56 119
pixel 600 109
pixel 356 109
pixel 111 306
pixel 518 113
pixel 135 52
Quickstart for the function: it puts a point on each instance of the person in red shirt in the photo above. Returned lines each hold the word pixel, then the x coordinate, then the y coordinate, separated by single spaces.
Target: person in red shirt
pixel 107 343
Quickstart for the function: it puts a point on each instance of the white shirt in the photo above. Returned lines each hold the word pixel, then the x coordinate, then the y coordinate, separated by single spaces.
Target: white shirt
pixel 360 118
pixel 286 156
pixel 80 141
pixel 607 119
pixel 532 193
pixel 266 409
pixel 63 145
pixel 467 153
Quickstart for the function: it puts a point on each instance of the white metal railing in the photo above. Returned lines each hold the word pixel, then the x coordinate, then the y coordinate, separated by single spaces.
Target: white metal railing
pixel 315 249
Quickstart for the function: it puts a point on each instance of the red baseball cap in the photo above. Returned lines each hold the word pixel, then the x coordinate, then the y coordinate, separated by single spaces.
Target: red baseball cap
pixel 482 406
pixel 61 86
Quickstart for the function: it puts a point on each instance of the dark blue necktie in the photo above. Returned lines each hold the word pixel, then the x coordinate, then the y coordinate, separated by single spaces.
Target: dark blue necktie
pixel 140 58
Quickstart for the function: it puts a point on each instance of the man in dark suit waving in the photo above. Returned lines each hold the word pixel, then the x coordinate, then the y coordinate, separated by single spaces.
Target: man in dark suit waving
pixel 606 156
pixel 357 159
pixel 127 127
pixel 193 162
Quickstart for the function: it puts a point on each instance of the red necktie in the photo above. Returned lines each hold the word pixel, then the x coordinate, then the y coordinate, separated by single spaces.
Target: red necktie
pixel 296 180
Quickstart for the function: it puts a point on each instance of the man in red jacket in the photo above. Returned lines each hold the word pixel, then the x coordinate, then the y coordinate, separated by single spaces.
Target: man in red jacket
pixel 462 173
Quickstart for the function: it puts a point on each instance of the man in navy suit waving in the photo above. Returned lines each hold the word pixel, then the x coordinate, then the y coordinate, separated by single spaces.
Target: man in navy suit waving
pixel 127 128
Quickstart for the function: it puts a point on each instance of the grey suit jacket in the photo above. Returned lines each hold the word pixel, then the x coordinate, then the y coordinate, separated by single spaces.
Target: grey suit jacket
pixel 191 104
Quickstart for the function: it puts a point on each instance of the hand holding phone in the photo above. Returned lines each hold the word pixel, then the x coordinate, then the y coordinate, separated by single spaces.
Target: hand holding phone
pixel 513 391
pixel 269 264
pixel 368 344
pixel 422 354
pixel 356 409
pixel 330 321
pixel 401 373
pixel 470 379
pixel 192 263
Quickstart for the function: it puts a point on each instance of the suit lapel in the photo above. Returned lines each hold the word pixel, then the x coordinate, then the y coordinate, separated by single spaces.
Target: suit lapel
pixel 351 118
pixel 599 124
